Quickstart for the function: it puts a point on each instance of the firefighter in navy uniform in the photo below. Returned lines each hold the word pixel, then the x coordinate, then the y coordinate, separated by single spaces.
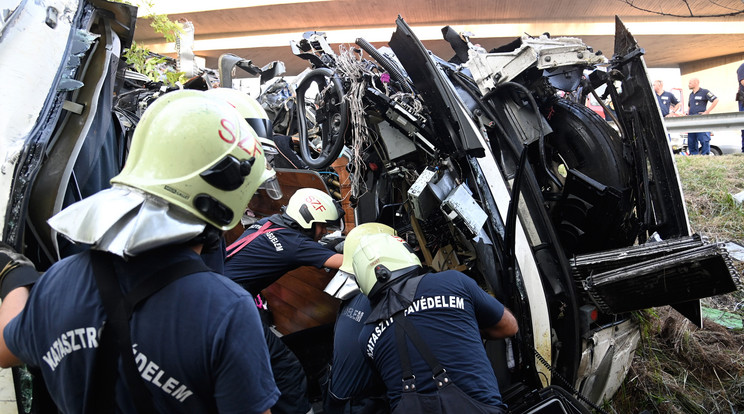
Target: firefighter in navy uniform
pixel 269 249
pixel 196 341
pixel 424 333
pixel 283 242
pixel 353 385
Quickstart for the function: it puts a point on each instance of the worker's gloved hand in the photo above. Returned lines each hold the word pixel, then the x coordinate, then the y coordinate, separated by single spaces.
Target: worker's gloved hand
pixel 15 270
pixel 333 242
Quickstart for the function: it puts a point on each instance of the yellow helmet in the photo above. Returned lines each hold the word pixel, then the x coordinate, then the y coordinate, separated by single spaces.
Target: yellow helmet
pixel 381 258
pixel 198 153
pixel 352 241
pixel 251 110
pixel 310 205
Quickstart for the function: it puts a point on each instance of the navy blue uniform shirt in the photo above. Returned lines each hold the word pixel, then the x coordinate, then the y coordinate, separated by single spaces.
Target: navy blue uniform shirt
pixel 448 310
pixel 198 342
pixel 272 254
pixel 351 373
pixel 699 100
pixel 666 99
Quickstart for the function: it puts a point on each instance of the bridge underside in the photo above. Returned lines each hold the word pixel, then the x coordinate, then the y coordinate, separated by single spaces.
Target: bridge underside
pixel 262 31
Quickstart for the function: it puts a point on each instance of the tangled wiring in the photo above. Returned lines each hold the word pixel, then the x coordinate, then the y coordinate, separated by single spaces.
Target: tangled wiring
pixel 356 72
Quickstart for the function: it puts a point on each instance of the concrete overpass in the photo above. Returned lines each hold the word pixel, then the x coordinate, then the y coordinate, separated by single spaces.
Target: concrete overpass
pixel 702 38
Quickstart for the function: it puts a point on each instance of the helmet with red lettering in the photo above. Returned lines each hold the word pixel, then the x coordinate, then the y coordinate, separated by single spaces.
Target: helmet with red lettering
pixel 198 153
pixel 310 205
pixel 380 259
pixel 256 116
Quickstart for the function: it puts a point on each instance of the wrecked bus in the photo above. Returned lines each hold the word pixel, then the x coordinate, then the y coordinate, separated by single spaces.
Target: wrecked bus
pixel 484 162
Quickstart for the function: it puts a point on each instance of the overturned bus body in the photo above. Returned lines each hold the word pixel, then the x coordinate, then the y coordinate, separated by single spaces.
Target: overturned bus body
pixel 486 162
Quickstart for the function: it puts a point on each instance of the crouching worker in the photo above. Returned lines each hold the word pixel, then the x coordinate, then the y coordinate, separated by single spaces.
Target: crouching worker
pixel 138 323
pixel 353 384
pixel 424 331
pixel 278 244
pixel 269 249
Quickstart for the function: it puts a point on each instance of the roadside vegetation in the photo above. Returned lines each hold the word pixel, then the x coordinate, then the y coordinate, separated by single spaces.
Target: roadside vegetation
pixel 142 60
pixel 679 368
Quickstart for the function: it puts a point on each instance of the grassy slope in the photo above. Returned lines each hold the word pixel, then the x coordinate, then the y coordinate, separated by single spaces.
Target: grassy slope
pixel 679 368
pixel 707 183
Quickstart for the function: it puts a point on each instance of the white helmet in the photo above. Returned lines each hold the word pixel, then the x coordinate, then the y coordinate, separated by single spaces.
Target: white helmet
pixel 309 205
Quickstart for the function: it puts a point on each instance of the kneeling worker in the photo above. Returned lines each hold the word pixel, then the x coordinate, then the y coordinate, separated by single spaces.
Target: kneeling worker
pixel 425 330
pixel 283 242
pixel 353 384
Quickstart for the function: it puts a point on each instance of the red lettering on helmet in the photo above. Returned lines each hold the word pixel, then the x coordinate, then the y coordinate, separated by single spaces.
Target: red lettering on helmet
pixel 228 127
pixel 315 203
pixel 244 143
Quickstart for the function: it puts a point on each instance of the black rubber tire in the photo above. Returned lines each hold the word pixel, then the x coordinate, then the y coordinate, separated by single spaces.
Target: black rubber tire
pixel 587 143
pixel 583 141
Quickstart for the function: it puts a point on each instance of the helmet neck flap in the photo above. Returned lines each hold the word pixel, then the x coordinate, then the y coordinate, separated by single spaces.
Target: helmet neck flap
pixel 397 294
pixel 126 222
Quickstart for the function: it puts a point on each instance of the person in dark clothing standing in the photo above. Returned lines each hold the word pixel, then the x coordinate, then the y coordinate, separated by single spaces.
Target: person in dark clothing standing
pixel 270 248
pixel 424 332
pixel 193 165
pixel 699 142
pixel 740 96
pixel 667 101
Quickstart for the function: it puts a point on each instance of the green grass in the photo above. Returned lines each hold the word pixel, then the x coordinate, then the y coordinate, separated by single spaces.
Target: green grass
pixel 708 183
pixel 679 368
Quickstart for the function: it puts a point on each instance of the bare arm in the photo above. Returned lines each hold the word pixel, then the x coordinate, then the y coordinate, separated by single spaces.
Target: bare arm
pixel 712 105
pixel 12 305
pixel 674 108
pixel 505 328
pixel 334 262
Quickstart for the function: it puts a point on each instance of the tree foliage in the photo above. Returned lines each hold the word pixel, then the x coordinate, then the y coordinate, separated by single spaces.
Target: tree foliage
pixel 142 60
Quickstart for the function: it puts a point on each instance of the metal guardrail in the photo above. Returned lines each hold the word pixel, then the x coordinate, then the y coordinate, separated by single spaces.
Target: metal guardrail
pixel 726 120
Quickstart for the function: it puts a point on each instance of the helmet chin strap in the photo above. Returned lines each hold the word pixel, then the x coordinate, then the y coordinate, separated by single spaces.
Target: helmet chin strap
pixel 209 239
